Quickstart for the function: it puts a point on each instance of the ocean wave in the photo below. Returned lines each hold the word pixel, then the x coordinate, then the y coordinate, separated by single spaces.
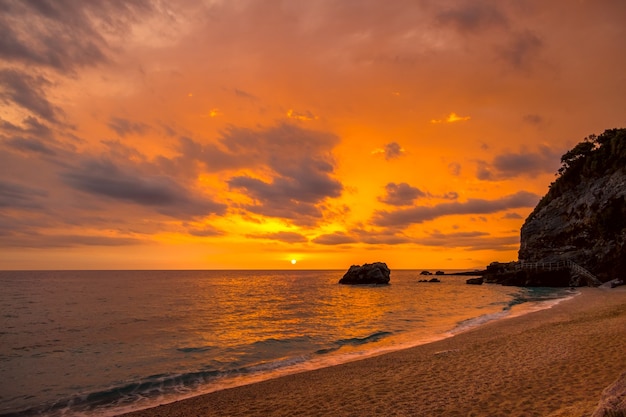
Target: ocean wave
pixel 150 391
pixel 196 349
pixel 538 297
pixel 354 341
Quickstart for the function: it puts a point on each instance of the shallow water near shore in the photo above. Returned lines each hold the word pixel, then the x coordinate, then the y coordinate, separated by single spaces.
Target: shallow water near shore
pixel 104 342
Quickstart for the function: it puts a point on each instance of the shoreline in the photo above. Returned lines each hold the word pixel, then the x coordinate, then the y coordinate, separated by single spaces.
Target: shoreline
pixel 551 362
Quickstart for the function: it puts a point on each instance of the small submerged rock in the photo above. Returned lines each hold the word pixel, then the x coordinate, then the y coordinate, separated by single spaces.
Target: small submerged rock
pixel 430 280
pixel 375 273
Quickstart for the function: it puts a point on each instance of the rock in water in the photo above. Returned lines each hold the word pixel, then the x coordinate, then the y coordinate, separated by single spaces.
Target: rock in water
pixel 375 273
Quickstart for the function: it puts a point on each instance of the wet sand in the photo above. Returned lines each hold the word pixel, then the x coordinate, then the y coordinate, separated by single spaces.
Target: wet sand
pixel 553 362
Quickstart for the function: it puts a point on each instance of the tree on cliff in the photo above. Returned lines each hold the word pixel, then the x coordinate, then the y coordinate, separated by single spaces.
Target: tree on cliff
pixel 591 158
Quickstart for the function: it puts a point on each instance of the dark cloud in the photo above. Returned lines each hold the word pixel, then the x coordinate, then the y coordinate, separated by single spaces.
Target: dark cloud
pixel 63 34
pixel 474 240
pixel 206 231
pixel 28 92
pixel 125 127
pixel 512 215
pixel 370 237
pixel 393 150
pixel 454 168
pixel 244 94
pixel 521 50
pixel 484 171
pixel 104 178
pixel 450 195
pixel 338 238
pixel 290 198
pixel 382 238
pixel 401 194
pixel 31 126
pixel 29 145
pixel 415 215
pixel 50 34
pixel 34 240
pixel 456 239
pixel 513 164
pixel 13 195
pixel 286 237
pixel 473 17
pixel 533 119
pixel 298 163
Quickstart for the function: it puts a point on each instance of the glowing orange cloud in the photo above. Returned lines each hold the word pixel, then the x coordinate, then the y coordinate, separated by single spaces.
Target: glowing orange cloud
pixel 452 118
pixel 306 116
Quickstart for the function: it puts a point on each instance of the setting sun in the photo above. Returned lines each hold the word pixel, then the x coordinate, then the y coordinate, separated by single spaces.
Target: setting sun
pixel 293 262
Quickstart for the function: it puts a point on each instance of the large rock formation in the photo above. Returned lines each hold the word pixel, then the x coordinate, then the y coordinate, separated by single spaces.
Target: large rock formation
pixel 613 401
pixel 583 216
pixel 376 273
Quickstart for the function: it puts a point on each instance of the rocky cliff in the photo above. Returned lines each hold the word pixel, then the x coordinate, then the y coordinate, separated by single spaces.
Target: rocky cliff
pixel 582 218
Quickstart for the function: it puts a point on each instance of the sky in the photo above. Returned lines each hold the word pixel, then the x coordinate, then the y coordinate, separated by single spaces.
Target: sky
pixel 249 134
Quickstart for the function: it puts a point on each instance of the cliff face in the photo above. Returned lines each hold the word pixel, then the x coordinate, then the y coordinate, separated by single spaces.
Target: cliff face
pixel 583 216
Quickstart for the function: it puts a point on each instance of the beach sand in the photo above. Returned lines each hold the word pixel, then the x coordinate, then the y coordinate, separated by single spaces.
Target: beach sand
pixel 553 362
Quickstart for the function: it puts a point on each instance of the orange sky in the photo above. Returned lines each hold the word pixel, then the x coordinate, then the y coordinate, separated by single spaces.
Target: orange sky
pixel 244 134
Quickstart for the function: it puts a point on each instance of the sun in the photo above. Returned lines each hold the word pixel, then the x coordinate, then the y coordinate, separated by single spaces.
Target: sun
pixel 293 262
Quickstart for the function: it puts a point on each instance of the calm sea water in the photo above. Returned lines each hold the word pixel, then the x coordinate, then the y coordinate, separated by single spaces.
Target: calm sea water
pixel 104 342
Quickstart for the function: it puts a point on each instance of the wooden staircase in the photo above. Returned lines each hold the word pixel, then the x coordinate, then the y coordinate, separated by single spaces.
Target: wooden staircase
pixel 574 268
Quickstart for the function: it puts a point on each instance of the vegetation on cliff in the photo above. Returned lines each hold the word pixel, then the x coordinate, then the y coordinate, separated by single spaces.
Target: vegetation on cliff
pixel 594 157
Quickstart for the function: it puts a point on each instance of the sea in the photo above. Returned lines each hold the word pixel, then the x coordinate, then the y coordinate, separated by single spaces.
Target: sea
pixel 101 343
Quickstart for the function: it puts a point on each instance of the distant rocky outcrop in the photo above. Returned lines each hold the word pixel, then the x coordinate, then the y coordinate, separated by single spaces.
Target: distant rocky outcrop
pixel 376 273
pixel 582 219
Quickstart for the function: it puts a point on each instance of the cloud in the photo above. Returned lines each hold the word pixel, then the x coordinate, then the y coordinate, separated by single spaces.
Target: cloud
pixel 474 240
pixel 29 145
pixel 450 195
pixel 401 194
pixel 514 164
pixel 297 163
pixel 369 237
pixel 512 215
pixel 454 168
pixel 521 50
pixel 65 34
pixel 337 238
pixel 301 116
pixel 415 215
pixel 106 179
pixel 533 119
pixel 124 127
pixel 452 118
pixel 31 126
pixel 244 94
pixel 390 151
pixel 382 238
pixel 286 237
pixel 17 196
pixel 473 17
pixel 205 231
pixel 28 92
pixel 36 240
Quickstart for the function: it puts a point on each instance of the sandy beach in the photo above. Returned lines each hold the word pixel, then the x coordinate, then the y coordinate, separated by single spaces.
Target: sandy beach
pixel 553 362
